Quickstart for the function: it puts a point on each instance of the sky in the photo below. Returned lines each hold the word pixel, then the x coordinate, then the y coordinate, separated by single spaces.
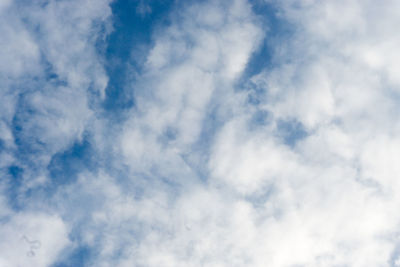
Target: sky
pixel 216 133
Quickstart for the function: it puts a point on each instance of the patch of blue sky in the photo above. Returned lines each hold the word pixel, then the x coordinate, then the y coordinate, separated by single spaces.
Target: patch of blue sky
pixel 261 117
pixel 77 257
pixel 2 145
pixel 26 138
pixel 29 135
pixel 291 131
pixel 66 165
pixel 15 181
pixel 275 29
pixel 127 46
pixel 50 76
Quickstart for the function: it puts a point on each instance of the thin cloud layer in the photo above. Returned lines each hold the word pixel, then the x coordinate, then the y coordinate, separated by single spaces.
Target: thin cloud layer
pixel 291 164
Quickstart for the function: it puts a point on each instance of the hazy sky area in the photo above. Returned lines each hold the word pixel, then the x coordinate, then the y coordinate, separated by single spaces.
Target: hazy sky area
pixel 215 133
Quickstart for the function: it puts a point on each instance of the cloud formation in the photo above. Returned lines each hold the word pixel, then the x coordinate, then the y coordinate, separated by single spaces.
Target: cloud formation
pixel 292 164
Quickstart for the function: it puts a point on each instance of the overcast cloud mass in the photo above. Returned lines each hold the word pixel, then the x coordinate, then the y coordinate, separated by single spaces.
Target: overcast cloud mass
pixel 170 133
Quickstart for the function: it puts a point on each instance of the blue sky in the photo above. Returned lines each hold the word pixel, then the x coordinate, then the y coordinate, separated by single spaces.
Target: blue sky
pixel 199 133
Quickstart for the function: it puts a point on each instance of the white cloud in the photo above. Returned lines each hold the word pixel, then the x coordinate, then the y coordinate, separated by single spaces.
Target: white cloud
pixel 247 197
pixel 32 239
pixel 327 200
pixel 335 191
pixel 48 64
pixel 190 65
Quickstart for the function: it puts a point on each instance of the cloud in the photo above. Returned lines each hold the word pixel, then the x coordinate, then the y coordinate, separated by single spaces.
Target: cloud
pixel 32 239
pixel 49 67
pixel 190 65
pixel 322 201
pixel 290 165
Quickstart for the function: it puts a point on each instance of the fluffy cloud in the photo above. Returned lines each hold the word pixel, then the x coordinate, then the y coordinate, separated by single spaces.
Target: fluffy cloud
pixel 295 165
pixel 49 66
pixel 193 63
pixel 329 198
pixel 32 239
pixel 325 200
